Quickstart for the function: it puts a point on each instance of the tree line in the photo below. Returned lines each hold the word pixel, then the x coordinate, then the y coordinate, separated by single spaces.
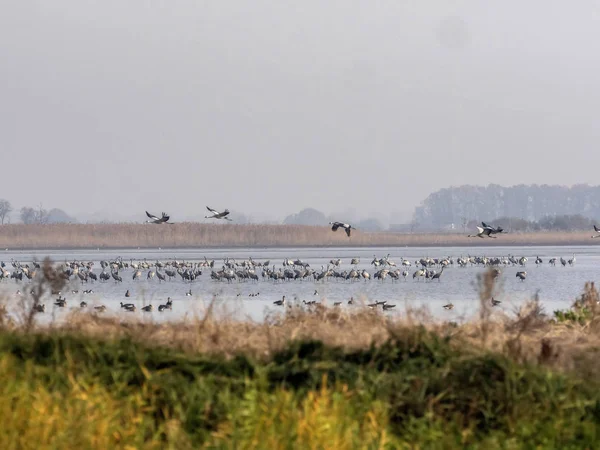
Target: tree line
pixel 539 206
pixel 31 215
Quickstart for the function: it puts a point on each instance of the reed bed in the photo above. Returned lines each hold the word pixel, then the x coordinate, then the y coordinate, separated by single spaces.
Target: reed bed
pixel 198 235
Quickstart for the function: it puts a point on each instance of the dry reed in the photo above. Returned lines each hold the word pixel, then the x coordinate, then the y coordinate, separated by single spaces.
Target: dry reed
pixel 189 235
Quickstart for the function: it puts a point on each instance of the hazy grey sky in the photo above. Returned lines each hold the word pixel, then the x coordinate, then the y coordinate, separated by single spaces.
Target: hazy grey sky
pixel 267 107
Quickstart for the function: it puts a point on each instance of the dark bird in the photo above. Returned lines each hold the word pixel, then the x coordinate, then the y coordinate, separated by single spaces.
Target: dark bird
pixel 492 229
pixel 597 230
pixel 280 302
pixel 347 227
pixel 495 302
pixel 157 220
pixel 449 306
pixel 217 215
pixel 521 275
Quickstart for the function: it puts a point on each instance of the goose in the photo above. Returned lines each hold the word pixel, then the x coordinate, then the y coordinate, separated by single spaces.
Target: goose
pixel 157 220
pixel 521 275
pixel 61 302
pixel 100 308
pixel 127 293
pixel 188 293
pixel 40 308
pixel 495 302
pixel 386 307
pixel 337 303
pixel 448 306
pixel 147 308
pixel 128 306
pixel 351 301
pixel 347 227
pixel 83 305
pixel 572 260
pixel 279 302
pixel 217 215
pixel 597 230
pixel 168 305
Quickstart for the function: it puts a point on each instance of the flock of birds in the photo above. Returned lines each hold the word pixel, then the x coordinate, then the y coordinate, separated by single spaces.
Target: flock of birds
pixel 427 269
pixel 164 218
pixel 482 231
pixel 230 270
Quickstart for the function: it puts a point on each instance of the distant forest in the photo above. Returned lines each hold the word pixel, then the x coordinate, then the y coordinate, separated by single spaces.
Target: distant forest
pixel 458 207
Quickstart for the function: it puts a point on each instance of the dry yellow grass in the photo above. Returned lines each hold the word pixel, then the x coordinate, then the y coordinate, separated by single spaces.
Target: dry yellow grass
pixel 526 336
pixel 181 235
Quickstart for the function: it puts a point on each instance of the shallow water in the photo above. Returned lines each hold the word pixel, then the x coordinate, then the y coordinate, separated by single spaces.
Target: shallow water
pixel 557 286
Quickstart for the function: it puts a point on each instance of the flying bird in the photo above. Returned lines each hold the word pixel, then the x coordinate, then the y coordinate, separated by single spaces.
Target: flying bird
pixel 492 230
pixel 157 220
pixel 486 230
pixel 481 232
pixel 597 230
pixel 217 215
pixel 347 227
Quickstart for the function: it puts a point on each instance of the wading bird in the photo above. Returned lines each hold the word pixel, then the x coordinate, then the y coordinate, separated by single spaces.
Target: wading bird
pixel 217 215
pixel 157 220
pixel 347 227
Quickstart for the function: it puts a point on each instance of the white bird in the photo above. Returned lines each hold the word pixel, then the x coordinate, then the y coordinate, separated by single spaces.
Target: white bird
pixel 217 215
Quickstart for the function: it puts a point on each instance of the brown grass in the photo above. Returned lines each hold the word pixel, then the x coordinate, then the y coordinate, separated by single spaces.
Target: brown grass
pixel 528 335
pixel 189 235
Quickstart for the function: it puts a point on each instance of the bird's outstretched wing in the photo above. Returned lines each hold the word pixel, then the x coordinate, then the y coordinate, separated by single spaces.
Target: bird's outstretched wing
pixel 485 225
pixel 480 230
pixel 153 217
pixel 214 211
pixel 335 225
pixel 596 229
pixel 348 230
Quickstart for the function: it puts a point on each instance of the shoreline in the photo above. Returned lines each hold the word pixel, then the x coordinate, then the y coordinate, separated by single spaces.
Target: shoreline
pixel 106 237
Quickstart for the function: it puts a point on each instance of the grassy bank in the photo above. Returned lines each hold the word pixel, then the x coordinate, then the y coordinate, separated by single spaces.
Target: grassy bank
pixel 320 378
pixel 184 235
pixel 416 390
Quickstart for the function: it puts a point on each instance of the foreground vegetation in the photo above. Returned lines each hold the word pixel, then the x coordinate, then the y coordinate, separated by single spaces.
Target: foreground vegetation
pixel 319 378
pixel 184 235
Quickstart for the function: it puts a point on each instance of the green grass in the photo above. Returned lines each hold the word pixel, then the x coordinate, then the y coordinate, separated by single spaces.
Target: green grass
pixel 417 390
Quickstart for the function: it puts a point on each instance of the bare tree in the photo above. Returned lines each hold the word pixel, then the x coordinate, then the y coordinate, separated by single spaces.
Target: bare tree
pixel 27 215
pixel 5 209
pixel 30 215
pixel 42 215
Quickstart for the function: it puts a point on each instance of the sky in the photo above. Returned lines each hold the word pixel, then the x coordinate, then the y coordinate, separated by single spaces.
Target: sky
pixel 112 107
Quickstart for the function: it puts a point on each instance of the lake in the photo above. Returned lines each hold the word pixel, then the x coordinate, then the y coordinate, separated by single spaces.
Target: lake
pixel 557 286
